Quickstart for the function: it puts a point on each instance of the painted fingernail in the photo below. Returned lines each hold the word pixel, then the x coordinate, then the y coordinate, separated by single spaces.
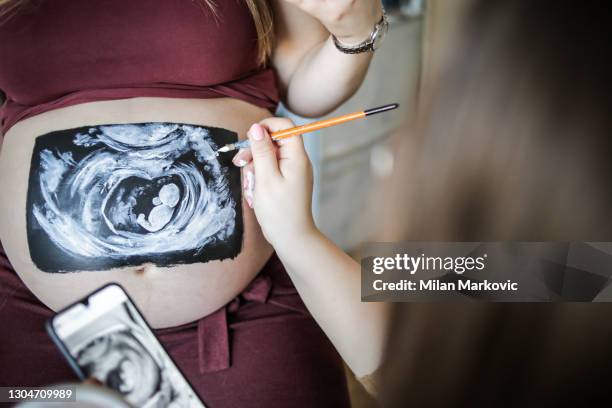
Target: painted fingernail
pixel 249 201
pixel 250 182
pixel 239 162
pixel 256 132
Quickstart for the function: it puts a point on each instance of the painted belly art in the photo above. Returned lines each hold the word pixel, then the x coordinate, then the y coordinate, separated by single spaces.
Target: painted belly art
pixel 118 195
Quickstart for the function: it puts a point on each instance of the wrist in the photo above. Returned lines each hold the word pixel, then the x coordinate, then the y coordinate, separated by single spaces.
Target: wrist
pixel 297 242
pixel 358 33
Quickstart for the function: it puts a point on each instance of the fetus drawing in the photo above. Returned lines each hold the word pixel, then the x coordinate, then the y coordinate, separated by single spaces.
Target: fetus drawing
pixel 161 214
pixel 117 195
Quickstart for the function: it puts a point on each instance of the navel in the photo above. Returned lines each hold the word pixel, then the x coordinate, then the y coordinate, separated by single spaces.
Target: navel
pixel 144 269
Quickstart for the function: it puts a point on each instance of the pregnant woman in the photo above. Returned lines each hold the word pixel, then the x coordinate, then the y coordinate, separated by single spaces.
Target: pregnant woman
pixel 112 112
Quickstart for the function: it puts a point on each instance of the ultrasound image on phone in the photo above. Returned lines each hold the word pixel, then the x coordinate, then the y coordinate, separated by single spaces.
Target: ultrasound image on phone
pixel 117 348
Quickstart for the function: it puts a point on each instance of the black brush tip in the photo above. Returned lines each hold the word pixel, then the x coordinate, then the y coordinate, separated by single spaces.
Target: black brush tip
pixel 380 109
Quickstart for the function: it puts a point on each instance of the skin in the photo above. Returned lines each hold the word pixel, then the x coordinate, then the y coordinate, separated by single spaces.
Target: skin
pixel 330 287
pixel 203 287
pixel 314 78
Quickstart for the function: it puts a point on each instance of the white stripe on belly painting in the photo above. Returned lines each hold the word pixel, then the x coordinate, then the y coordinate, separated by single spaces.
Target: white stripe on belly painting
pixel 115 195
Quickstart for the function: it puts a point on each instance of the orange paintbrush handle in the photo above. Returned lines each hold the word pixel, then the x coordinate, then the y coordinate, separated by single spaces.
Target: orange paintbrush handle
pixel 311 127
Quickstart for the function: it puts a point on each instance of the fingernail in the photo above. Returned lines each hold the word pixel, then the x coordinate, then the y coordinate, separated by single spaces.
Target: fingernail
pixel 248 196
pixel 249 187
pixel 239 163
pixel 256 132
pixel 250 182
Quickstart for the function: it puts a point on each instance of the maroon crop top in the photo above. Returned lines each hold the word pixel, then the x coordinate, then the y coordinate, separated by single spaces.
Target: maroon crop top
pixel 56 53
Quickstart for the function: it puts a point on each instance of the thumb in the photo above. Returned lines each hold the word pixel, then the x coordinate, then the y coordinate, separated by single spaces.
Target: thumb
pixel 263 151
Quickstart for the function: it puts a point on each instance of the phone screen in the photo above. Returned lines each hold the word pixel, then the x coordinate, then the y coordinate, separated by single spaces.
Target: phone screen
pixel 106 337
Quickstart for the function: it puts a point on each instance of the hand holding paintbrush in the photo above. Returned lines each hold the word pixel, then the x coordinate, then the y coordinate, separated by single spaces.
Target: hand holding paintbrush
pixel 278 185
pixel 311 127
pixel 281 131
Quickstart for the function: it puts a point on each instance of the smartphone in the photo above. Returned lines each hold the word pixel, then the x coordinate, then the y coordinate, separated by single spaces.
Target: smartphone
pixel 104 336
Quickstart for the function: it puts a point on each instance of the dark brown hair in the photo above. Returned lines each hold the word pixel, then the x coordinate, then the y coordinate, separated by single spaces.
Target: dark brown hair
pixel 514 145
pixel 517 142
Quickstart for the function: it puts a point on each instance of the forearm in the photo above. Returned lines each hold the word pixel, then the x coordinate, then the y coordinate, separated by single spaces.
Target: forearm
pixel 324 79
pixel 328 281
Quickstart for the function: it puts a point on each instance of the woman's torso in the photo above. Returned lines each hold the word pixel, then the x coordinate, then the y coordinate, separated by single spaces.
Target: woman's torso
pixel 168 294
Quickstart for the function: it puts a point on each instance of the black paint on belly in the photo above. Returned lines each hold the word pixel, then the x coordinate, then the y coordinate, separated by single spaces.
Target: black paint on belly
pixel 120 195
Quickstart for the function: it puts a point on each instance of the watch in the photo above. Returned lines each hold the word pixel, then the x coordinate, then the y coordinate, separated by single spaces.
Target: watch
pixel 369 45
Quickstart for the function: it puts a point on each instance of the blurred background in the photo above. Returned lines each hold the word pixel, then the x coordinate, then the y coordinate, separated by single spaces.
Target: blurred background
pixel 347 159
pixel 350 160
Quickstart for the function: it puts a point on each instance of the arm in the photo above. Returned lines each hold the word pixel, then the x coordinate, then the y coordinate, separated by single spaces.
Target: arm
pixel 327 279
pixel 315 77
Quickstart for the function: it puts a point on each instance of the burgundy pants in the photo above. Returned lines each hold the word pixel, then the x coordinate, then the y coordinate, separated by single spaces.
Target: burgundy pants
pixel 263 349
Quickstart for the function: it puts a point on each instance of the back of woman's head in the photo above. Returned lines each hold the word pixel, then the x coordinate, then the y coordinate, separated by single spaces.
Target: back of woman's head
pixel 515 144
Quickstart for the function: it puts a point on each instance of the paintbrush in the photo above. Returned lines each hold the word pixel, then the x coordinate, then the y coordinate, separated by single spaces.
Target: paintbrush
pixel 311 127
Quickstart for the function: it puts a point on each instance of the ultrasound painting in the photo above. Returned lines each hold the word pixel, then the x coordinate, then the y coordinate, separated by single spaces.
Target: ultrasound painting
pixel 119 195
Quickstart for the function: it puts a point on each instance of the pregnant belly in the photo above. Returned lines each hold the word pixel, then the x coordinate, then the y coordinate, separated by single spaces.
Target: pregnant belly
pixel 132 192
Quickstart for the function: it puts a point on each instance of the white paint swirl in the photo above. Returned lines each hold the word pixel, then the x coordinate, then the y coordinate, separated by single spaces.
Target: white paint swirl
pixel 93 207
